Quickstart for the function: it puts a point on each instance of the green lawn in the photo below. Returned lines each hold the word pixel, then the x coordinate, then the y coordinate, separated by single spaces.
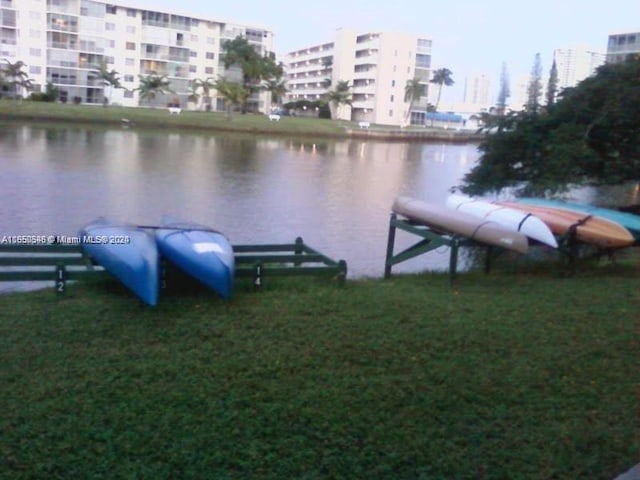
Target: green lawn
pixel 160 118
pixel 520 374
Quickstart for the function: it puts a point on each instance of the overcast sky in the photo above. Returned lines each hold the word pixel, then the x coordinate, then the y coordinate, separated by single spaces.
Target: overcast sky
pixel 469 36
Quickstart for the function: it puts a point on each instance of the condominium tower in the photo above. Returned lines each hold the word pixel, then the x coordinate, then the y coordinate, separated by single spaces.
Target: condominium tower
pixel 377 67
pixel 64 41
pixel 575 64
pixel 623 46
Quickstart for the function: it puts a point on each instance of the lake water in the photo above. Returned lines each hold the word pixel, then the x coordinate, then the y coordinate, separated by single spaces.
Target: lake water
pixel 336 195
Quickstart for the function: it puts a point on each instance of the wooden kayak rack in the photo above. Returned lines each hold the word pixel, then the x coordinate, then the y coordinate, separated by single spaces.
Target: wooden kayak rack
pixel 63 263
pixel 431 240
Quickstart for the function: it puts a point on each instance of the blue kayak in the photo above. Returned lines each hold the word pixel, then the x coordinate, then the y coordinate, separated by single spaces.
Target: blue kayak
pixel 627 220
pixel 127 252
pixel 203 253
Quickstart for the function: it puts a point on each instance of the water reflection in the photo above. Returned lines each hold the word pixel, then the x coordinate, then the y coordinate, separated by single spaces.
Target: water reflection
pixel 335 194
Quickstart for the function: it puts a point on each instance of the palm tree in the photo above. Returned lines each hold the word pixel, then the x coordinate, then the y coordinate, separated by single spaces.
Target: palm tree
pixel 441 76
pixel 338 96
pixel 206 85
pixel 108 79
pixel 152 85
pixel 13 76
pixel 277 87
pixel 233 93
pixel 412 92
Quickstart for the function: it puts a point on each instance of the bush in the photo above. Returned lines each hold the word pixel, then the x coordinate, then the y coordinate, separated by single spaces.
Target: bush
pixel 50 94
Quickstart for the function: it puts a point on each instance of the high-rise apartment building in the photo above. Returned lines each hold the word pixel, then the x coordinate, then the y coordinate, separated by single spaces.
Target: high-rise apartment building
pixel 377 66
pixel 64 41
pixel 623 46
pixel 575 64
pixel 477 90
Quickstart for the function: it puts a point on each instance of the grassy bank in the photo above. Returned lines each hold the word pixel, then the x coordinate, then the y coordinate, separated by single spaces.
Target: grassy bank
pixel 160 118
pixel 513 375
pixel 214 121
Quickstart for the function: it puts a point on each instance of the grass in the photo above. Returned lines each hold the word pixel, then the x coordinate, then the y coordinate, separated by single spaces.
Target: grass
pixel 29 111
pixel 518 374
pixel 160 118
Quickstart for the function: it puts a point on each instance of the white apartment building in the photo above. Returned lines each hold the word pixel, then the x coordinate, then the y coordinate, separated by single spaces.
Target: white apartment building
pixel 623 46
pixel 575 64
pixel 64 41
pixel 377 66
pixel 477 91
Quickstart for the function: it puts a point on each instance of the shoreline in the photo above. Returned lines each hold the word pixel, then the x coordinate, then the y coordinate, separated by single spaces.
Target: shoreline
pixel 216 122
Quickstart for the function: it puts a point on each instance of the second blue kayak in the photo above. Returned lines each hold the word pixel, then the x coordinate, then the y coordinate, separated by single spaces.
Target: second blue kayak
pixel 203 253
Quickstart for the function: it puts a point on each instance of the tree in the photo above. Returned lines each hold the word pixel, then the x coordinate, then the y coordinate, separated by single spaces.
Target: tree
pixel 255 68
pixel 107 78
pixel 205 85
pixel 534 89
pixel 590 136
pixel 441 76
pixel 552 84
pixel 152 85
pixel 413 91
pixel 233 93
pixel 340 95
pixel 505 91
pixel 15 78
pixel 278 89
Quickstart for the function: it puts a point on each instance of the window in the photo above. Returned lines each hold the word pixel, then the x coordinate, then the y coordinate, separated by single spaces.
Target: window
pixel 131 46
pixel 131 12
pixel 210 56
pixel 131 29
pixel 35 70
pixel 128 78
pixel 129 62
pixel 35 52
pixel 211 40
pixel 128 94
pixel 109 26
pixel 391 99
pixel 112 44
pixel 112 9
pixel 193 54
pixel 208 70
pixel 193 68
pixel 391 113
pixel 393 83
pixel 394 68
pixel 109 60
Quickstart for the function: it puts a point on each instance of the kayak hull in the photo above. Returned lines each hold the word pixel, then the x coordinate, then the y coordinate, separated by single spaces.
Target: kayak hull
pixel 451 221
pixel 127 252
pixel 199 251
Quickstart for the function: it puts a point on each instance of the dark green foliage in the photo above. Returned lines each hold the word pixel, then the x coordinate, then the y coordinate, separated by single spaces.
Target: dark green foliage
pixel 552 85
pixel 505 92
pixel 534 89
pixel 256 68
pixel 591 136
pixel 49 95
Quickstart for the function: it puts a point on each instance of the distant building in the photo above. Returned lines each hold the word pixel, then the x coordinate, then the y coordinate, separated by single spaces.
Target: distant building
pixel 477 91
pixel 623 46
pixel 64 41
pixel 576 64
pixel 377 66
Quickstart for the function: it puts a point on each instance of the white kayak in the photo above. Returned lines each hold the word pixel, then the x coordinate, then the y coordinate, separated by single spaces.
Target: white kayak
pixel 509 218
